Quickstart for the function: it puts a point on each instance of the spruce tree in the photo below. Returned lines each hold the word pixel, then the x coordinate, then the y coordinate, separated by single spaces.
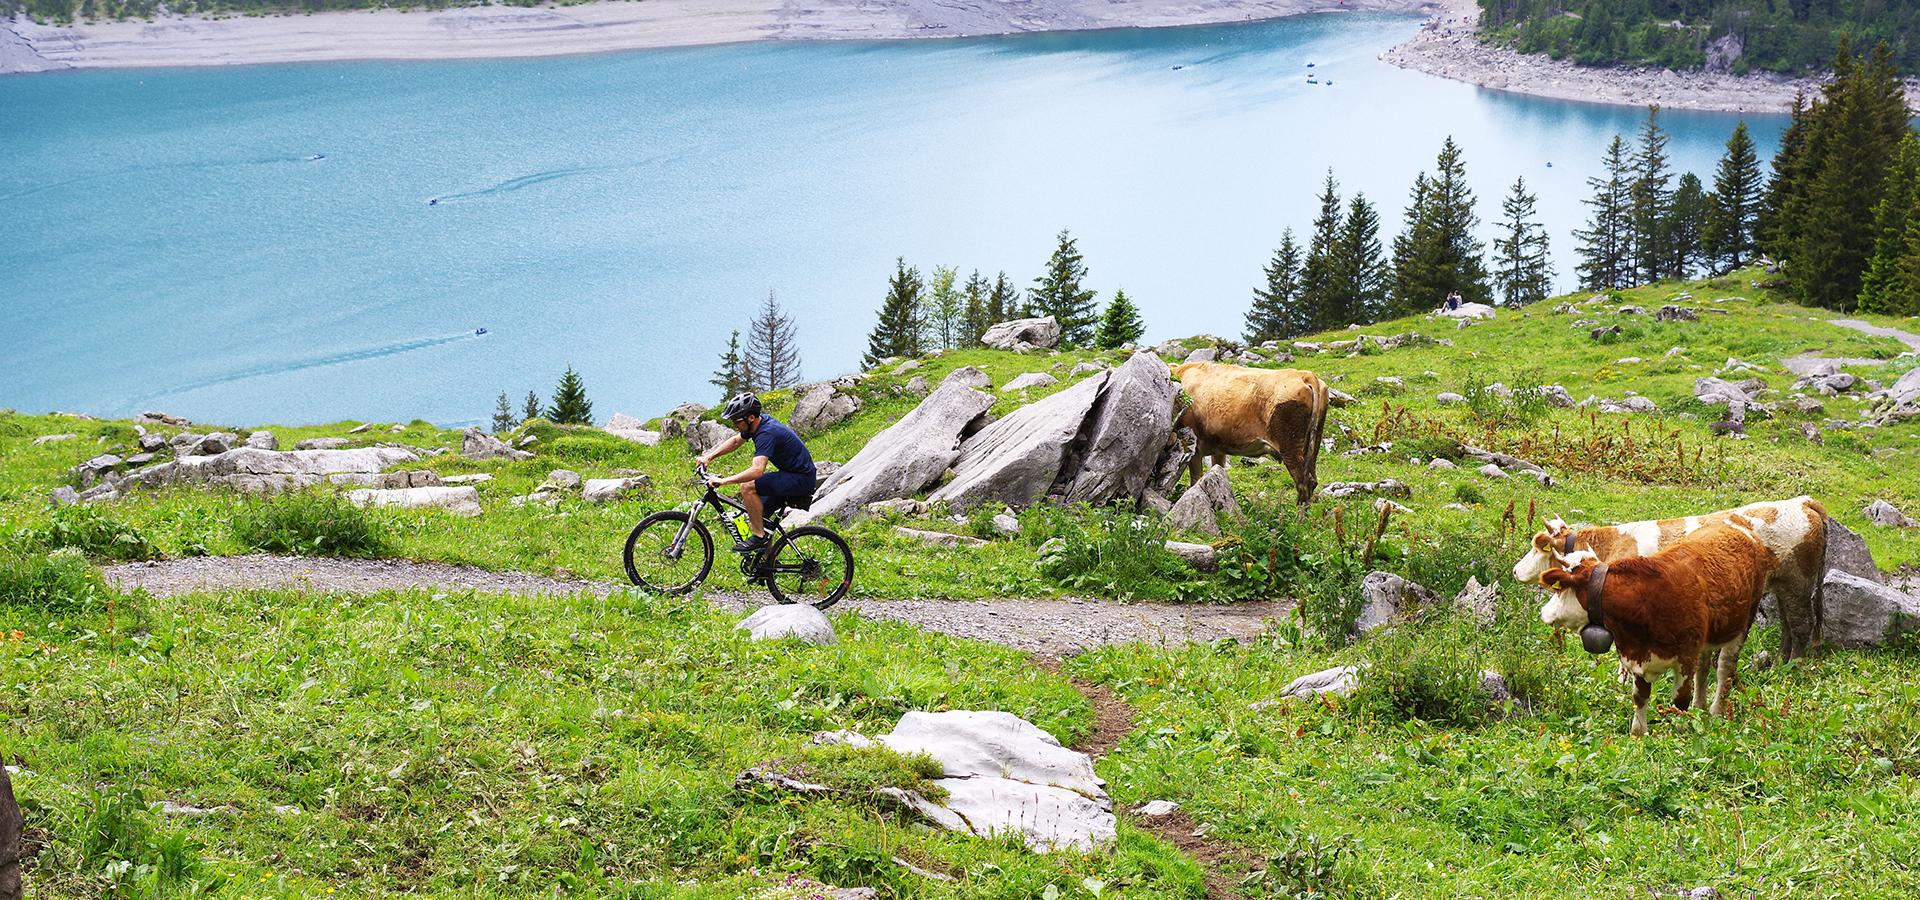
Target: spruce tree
pixel 1606 243
pixel 1890 221
pixel 946 310
pixel 1276 311
pixel 1770 227
pixel 731 377
pixel 1120 324
pixel 1649 201
pixel 503 420
pixel 1059 293
pixel 570 405
pixel 1736 203
pixel 975 318
pixel 1901 296
pixel 1358 268
pixel 1003 302
pixel 1438 254
pixel 772 349
pixel 1321 311
pixel 1522 272
pixel 1687 216
pixel 898 331
pixel 530 409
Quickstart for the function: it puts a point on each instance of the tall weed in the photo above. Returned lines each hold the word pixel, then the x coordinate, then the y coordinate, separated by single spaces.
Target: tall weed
pixel 306 524
pixel 86 529
pixel 1112 553
pixel 61 582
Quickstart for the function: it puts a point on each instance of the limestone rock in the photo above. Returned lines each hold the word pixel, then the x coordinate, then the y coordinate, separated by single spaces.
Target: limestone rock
pixel 1449 398
pixel 1125 433
pixel 1200 508
pixel 53 438
pixel 1880 512
pixel 968 376
pixel 1469 311
pixel 607 490
pixel 1340 681
pixel 1479 602
pixel 1042 333
pixel 1672 313
pixel 1386 487
pixel 267 471
pixel 939 538
pixel 905 507
pixel 789 620
pixel 909 456
pixel 632 429
pixel 477 444
pixel 822 405
pixel 1386 597
pixel 1492 471
pixel 212 445
pixel 1016 459
pixel 1847 552
pixel 917 386
pixel 560 479
pixel 705 435
pixel 1202 557
pixel 1029 380
pixel 324 443
pixel 1907 389
pixel 262 440
pixel 479 478
pixel 1203 354
pixel 64 496
pixel 1086 368
pixel 463 501
pixel 1862 613
pixel 1154 809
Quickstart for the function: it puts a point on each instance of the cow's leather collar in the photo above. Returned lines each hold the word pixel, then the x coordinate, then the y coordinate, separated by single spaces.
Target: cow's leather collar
pixel 1566 543
pixel 1595 637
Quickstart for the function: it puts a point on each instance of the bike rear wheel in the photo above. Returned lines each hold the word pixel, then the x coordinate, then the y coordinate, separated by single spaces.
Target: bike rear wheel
pixel 652 560
pixel 810 565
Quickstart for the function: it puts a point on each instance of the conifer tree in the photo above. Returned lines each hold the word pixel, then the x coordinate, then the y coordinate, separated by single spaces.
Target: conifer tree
pixel 503 420
pixel 976 314
pixel 530 409
pixel 1606 243
pixel 1059 293
pixel 946 310
pixel 898 332
pixel 1736 204
pixel 772 349
pixel 1276 311
pixel 1359 269
pixel 1890 224
pixel 1901 296
pixel 1120 324
pixel 731 377
pixel 1648 202
pixel 1003 302
pixel 1522 273
pixel 1437 254
pixel 570 405
pixel 1687 216
pixel 1770 226
pixel 1321 312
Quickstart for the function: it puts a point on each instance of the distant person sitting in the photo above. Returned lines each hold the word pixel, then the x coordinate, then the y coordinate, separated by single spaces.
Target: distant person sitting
pixel 773 442
pixel 1453 301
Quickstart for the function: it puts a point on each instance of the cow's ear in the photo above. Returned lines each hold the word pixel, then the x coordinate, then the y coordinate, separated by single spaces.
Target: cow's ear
pixel 1542 542
pixel 1560 579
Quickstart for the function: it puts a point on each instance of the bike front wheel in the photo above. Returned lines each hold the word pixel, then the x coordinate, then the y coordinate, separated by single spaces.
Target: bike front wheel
pixel 811 565
pixel 659 560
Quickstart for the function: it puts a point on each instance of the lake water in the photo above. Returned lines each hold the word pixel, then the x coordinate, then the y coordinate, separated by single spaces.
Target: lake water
pixel 171 241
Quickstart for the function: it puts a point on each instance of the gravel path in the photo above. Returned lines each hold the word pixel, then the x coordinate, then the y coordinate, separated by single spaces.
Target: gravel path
pixel 1905 337
pixel 1049 627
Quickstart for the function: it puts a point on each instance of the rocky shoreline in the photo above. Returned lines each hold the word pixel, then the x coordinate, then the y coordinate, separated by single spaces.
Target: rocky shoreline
pixel 1447 46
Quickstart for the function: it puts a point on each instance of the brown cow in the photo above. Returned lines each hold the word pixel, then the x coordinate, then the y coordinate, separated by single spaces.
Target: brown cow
pixel 1666 610
pixel 1256 412
pixel 1795 530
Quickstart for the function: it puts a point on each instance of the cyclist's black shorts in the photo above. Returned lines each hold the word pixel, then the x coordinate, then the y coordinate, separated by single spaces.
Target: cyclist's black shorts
pixel 783 486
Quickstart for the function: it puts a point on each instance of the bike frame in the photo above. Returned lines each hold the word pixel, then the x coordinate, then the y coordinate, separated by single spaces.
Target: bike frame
pixel 712 499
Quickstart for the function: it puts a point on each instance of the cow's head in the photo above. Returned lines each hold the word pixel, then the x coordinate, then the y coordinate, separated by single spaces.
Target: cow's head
pixel 1543 555
pixel 1566 605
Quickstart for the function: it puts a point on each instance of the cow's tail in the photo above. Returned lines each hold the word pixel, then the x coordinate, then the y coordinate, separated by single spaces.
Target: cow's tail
pixel 1819 610
pixel 1324 400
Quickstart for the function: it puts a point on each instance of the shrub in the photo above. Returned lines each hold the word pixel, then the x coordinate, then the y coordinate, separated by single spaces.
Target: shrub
pixel 980 521
pixel 86 529
pixel 58 582
pixel 1430 447
pixel 1307 866
pixel 1116 554
pixel 1468 492
pixel 1425 673
pixel 307 524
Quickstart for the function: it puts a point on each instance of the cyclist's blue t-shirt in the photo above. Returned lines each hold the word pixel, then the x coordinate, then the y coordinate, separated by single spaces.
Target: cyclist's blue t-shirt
pixel 775 441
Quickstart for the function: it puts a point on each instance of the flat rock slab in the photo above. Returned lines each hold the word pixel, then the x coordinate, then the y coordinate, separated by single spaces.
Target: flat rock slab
pixel 461 501
pixel 1004 774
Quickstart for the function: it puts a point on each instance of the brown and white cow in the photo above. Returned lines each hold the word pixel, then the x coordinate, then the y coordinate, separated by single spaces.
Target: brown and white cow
pixel 1795 530
pixel 1666 611
pixel 1256 412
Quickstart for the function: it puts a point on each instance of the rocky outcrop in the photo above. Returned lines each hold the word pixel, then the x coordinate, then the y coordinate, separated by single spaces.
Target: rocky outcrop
pixel 1469 311
pixel 1847 552
pixel 908 457
pixel 705 435
pixel 265 471
pixel 1023 334
pixel 823 405
pixel 789 620
pixel 262 440
pixel 477 444
pixel 1018 458
pixel 324 443
pixel 461 501
pixel 1126 433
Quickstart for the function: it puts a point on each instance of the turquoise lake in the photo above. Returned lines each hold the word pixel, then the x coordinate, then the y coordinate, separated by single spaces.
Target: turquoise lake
pixel 171 242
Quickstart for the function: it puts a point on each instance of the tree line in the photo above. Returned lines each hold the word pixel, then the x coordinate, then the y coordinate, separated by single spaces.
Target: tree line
pixel 1793 36
pixel 569 406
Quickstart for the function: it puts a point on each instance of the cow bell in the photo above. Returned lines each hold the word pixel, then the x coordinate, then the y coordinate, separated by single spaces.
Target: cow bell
pixel 1597 639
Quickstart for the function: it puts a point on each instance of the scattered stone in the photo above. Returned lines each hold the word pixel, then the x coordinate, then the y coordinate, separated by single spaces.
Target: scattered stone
pixel 1608 331
pixel 939 538
pixel 1880 512
pixel 1006 523
pixel 1672 313
pixel 968 376
pixel 1449 398
pixel 560 480
pixel 1203 354
pixel 1626 360
pixel 1340 681
pixel 1441 463
pixel 1492 471
pixel 1863 613
pixel 479 478
pixel 1086 368
pixel 462 501
pixel 322 443
pixel 212 445
pixel 905 507
pixel 707 434
pixel 1392 381
pixel 170 808
pixel 1202 557
pixel 632 429
pixel 1633 310
pixel 1386 597
pixel 607 490
pixel 151 443
pixel 1203 504
pixel 1384 488
pixel 361 428
pixel 1029 380
pixel 1478 601
pixel 265 471
pixel 917 386
pixel 262 440
pixel 1023 334
pixel 906 367
pixel 53 438
pixel 151 417
pixel 1154 809
pixel 789 620
pixel 477 444
pixel 64 496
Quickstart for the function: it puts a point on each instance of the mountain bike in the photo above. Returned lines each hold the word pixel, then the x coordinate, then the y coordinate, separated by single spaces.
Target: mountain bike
pixel 671 551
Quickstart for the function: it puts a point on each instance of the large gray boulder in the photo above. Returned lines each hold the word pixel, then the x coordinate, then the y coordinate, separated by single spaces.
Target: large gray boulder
pixel 266 471
pixel 705 435
pixel 822 405
pixel 1862 613
pixel 1018 458
pixel 1202 506
pixel 1023 334
pixel 788 620
pixel 461 501
pixel 908 457
pixel 1847 552
pixel 970 376
pixel 477 444
pixel 1126 433
pixel 1907 389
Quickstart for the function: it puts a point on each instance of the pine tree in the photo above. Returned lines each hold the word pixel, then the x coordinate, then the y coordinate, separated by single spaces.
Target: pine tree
pixel 1276 311
pixel 1901 296
pixel 731 377
pixel 1120 324
pixel 1606 242
pixel 1890 223
pixel 570 404
pixel 1686 229
pixel 1003 302
pixel 1522 272
pixel 1317 302
pixel 975 318
pixel 1648 203
pixel 1736 203
pixel 503 420
pixel 1438 254
pixel 1771 230
pixel 898 332
pixel 1359 270
pixel 772 348
pixel 1058 293
pixel 946 310
pixel 530 410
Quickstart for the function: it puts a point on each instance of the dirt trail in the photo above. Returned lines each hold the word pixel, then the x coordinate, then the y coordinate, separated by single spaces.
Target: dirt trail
pixel 1905 337
pixel 1050 627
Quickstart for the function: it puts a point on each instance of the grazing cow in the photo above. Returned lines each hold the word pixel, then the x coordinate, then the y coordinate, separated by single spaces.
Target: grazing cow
pixel 1256 412
pixel 1667 610
pixel 1795 530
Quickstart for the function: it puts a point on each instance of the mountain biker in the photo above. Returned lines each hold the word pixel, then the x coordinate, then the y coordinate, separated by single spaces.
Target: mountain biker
pixel 773 442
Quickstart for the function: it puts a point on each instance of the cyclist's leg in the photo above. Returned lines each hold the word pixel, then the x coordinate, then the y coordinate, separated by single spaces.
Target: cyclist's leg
pixel 756 510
